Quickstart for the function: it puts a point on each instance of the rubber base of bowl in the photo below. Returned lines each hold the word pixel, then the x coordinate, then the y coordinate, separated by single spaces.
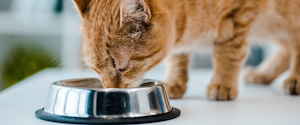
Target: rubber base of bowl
pixel 174 113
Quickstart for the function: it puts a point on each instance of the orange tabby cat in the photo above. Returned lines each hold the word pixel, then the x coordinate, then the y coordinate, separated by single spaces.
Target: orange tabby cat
pixel 122 39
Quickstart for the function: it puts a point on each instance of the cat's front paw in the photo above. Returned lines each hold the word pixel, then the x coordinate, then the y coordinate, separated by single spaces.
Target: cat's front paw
pixel 175 91
pixel 221 92
pixel 292 86
pixel 250 76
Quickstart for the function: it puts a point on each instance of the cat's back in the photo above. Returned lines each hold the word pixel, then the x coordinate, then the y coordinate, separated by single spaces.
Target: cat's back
pixel 274 21
pixel 201 20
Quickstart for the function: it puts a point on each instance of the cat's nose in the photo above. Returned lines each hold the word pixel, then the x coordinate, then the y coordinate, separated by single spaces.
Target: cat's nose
pixel 121 62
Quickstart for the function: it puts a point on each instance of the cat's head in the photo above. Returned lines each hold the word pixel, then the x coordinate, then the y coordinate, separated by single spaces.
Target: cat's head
pixel 122 39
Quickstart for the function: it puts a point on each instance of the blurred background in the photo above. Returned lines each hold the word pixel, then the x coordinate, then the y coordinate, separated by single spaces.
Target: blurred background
pixel 39 34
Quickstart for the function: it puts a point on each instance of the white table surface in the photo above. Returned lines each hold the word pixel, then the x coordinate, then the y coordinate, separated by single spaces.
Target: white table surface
pixel 256 105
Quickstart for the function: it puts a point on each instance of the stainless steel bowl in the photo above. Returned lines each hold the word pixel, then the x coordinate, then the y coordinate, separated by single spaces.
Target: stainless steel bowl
pixel 87 98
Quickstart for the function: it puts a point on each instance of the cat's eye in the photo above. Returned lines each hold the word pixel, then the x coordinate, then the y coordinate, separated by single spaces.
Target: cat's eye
pixel 122 70
pixel 114 63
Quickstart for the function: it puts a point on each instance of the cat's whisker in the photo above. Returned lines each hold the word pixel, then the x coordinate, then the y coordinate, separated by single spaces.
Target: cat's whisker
pixel 180 61
pixel 122 76
pixel 63 53
pixel 80 67
pixel 152 75
pixel 119 73
pixel 64 63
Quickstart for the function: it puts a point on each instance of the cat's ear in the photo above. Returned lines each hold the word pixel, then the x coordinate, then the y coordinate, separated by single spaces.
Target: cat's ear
pixel 134 10
pixel 82 5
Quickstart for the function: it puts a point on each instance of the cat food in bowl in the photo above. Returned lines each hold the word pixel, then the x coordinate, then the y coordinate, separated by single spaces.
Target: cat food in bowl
pixel 86 101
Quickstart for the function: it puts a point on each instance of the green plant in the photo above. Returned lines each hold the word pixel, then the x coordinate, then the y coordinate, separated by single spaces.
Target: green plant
pixel 24 61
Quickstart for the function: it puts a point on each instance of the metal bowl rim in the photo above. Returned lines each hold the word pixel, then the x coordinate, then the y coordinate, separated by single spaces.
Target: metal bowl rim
pixel 158 83
pixel 156 86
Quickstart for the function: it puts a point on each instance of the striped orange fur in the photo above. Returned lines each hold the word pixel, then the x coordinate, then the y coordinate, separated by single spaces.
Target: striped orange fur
pixel 123 39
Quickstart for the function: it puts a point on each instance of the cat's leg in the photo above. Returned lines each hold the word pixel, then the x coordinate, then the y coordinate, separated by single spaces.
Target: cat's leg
pixel 230 52
pixel 292 83
pixel 177 74
pixel 270 68
pixel 228 61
